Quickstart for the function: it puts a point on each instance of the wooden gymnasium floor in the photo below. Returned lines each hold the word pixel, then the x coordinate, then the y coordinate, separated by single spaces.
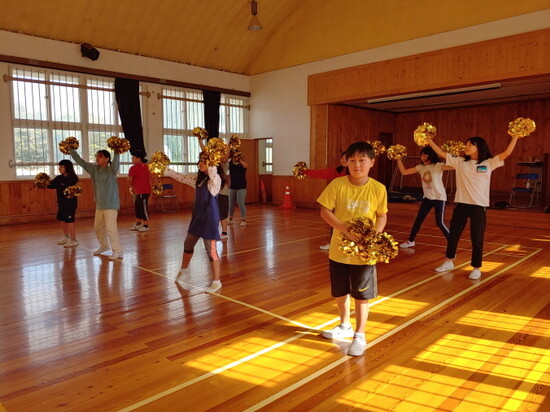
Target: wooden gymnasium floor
pixel 82 333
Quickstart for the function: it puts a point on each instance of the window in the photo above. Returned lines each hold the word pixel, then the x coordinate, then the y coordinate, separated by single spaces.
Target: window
pixel 233 116
pixel 183 110
pixel 49 106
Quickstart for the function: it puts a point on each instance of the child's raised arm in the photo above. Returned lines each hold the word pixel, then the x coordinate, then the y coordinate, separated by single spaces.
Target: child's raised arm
pixel 189 179
pixel 80 161
pixel 509 149
pixel 405 172
pixel 437 149
pixel 214 181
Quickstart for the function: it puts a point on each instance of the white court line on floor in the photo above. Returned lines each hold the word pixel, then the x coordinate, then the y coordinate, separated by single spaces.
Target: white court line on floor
pixel 296 337
pixel 381 338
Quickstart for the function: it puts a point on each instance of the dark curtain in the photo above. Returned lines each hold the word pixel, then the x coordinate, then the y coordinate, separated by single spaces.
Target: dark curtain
pixel 127 98
pixel 212 112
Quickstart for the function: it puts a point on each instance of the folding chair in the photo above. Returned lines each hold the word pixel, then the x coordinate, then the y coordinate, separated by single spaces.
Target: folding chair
pixel 525 183
pixel 167 201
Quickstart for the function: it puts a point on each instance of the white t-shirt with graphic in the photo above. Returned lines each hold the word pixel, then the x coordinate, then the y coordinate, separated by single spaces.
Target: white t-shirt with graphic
pixel 432 181
pixel 473 180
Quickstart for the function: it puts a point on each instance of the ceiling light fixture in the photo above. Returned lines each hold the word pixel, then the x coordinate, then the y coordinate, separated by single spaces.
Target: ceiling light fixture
pixel 254 23
pixel 434 93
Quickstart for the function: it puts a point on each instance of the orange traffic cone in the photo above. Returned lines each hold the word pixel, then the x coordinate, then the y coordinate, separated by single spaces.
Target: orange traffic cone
pixel 287 201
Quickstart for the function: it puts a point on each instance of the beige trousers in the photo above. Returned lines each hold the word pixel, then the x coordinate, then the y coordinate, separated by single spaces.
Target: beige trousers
pixel 105 227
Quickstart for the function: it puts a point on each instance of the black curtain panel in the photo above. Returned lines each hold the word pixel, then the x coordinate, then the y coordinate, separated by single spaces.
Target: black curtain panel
pixel 212 112
pixel 129 108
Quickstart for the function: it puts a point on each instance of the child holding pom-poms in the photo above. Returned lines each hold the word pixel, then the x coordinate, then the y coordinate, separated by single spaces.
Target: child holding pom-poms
pixel 66 206
pixel 345 198
pixel 205 217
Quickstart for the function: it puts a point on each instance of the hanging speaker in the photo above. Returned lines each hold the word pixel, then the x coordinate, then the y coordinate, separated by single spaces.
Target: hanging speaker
pixel 89 51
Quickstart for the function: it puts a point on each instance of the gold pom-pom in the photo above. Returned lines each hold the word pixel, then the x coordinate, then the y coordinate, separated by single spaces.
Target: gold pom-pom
pixel 379 148
pixel 157 188
pixel 396 152
pixel 521 127
pixel 158 163
pixel 423 132
pixel 371 247
pixel 72 191
pixel 42 181
pixel 235 141
pixel 214 152
pixel 118 144
pixel 299 169
pixel 70 143
pixel 200 132
pixel 236 156
pixel 453 147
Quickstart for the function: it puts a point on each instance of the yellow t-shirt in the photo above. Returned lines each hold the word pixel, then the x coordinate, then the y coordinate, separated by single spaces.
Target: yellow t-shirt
pixel 348 201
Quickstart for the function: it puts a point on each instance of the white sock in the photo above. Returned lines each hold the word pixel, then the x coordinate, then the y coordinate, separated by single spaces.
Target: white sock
pixel 344 326
pixel 217 282
pixel 359 335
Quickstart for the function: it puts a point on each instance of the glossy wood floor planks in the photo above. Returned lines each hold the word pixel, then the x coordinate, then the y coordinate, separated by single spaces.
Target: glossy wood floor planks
pixel 81 333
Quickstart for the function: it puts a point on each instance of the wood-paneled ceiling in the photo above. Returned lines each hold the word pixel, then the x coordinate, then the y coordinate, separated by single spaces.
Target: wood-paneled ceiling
pixel 213 33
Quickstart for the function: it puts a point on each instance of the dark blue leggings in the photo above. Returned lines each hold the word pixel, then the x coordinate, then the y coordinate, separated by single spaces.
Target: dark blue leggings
pixel 425 207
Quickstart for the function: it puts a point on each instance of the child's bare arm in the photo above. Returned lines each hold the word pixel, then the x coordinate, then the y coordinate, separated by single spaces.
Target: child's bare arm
pixel 509 149
pixel 437 149
pixel 381 220
pixel 336 223
pixel 405 172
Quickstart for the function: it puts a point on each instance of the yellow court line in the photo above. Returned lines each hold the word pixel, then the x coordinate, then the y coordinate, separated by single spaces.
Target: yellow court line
pixel 291 339
pixel 381 338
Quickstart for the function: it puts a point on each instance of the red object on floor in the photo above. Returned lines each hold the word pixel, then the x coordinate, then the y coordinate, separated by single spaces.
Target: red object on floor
pixel 287 200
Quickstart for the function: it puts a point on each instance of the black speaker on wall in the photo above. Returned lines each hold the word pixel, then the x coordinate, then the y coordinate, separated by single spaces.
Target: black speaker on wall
pixel 89 51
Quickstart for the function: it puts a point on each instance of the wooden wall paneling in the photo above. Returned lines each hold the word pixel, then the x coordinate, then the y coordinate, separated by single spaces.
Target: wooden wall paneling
pixel 514 57
pixel 318 151
pixel 22 202
pixel 304 192
pixel 250 149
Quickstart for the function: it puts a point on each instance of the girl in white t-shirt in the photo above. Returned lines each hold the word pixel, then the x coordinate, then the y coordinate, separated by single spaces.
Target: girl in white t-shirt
pixel 473 182
pixel 431 174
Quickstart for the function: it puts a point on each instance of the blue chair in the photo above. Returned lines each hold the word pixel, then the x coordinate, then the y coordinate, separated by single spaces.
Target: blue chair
pixel 529 184
pixel 167 201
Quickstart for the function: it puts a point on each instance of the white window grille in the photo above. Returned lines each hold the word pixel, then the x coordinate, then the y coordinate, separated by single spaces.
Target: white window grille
pixel 49 106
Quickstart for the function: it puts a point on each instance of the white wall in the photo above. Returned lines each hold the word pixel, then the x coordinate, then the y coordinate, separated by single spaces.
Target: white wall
pixel 279 99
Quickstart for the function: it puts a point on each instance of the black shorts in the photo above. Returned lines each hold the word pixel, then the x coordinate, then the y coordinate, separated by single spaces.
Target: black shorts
pixel 223 206
pixel 359 281
pixel 66 212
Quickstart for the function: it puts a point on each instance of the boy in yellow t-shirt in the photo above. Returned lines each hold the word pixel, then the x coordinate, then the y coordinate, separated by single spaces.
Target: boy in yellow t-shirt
pixel 346 197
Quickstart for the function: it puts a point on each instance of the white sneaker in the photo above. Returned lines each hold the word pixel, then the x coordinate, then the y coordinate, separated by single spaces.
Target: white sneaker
pixel 358 346
pixel 71 243
pixel 136 226
pixel 114 256
pixel 338 332
pixel 243 223
pixel 214 286
pixel 100 251
pixel 325 247
pixel 407 244
pixel 143 229
pixel 475 274
pixel 445 266
pixel 179 276
pixel 63 240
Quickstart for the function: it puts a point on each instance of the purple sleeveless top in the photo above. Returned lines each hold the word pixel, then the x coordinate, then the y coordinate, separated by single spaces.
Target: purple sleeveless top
pixel 206 214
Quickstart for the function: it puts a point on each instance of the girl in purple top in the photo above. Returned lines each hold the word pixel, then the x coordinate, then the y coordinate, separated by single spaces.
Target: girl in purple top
pixel 205 218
